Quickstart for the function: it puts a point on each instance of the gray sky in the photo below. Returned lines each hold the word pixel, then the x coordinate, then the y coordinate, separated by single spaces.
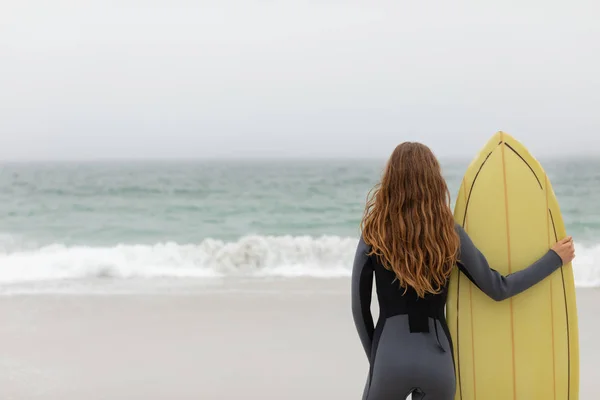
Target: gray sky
pixel 247 78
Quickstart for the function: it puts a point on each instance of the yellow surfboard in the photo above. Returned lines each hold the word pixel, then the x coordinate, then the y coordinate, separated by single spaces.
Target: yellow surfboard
pixel 526 347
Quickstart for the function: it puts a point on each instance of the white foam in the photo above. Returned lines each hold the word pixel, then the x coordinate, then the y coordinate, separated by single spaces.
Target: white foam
pixel 586 266
pixel 327 256
pixel 261 256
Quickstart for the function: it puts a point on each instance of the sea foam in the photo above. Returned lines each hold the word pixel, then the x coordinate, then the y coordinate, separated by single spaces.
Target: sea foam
pixel 255 256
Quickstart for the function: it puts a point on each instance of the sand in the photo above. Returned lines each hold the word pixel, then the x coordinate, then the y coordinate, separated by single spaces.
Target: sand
pixel 255 340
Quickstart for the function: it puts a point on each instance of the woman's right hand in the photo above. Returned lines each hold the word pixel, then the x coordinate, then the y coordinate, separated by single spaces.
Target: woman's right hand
pixel 565 249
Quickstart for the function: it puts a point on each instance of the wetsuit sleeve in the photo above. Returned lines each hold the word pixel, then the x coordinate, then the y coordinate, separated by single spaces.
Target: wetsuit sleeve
pixel 361 289
pixel 474 265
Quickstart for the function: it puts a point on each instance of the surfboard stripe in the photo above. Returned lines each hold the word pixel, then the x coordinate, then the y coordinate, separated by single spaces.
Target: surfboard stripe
pixel 458 335
pixel 562 274
pixel 526 163
pixel 466 227
pixel 512 318
pixel 472 341
pixel 551 297
pixel 467 200
pixel 473 185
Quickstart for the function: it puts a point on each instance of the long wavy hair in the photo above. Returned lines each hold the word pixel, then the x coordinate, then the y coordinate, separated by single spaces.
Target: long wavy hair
pixel 408 221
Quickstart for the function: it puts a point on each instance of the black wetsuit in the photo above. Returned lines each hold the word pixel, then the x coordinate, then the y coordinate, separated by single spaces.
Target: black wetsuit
pixel 410 349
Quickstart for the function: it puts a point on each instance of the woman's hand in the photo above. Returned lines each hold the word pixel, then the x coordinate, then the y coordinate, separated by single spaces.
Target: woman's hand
pixel 565 249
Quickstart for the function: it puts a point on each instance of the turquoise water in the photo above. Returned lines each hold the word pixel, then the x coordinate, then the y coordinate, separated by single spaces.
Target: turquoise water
pixel 68 220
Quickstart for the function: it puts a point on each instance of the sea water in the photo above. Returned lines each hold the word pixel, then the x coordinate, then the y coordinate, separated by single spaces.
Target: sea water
pixel 201 220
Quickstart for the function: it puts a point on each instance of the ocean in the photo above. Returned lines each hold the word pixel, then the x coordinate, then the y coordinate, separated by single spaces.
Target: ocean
pixel 97 224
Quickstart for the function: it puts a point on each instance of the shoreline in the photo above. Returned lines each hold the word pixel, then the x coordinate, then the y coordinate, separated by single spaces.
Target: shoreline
pixel 278 339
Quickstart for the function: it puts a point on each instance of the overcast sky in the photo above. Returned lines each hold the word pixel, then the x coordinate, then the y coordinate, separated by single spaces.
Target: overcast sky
pixel 247 78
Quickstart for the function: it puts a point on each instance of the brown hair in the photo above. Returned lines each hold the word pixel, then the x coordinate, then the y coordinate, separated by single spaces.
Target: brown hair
pixel 408 221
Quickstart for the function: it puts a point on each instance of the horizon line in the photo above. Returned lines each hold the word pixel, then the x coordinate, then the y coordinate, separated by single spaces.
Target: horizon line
pixel 563 156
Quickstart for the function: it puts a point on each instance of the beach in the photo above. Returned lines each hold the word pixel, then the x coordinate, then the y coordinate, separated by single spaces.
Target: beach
pixel 251 339
pixel 210 280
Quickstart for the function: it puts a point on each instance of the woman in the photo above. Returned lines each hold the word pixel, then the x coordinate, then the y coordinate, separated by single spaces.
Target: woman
pixel 411 244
